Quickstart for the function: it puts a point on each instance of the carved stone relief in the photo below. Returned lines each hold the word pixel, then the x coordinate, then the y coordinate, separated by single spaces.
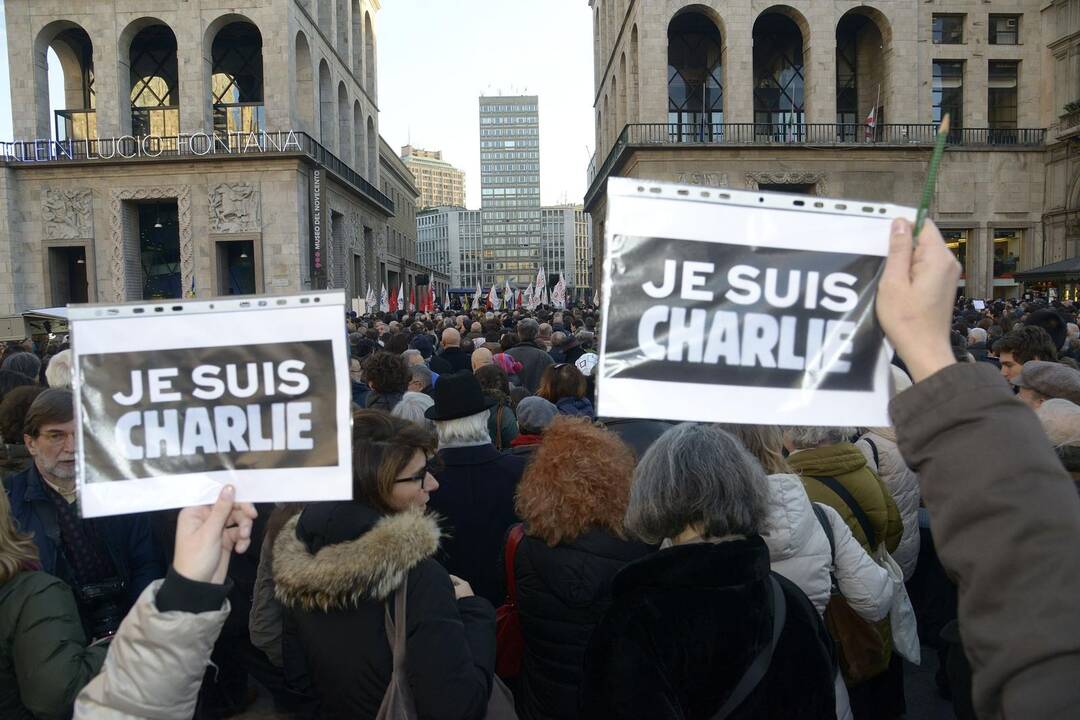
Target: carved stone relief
pixel 119 262
pixel 235 208
pixel 755 180
pixel 67 214
pixel 706 179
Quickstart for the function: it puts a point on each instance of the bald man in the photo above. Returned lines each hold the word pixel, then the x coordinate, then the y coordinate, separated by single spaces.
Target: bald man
pixel 452 359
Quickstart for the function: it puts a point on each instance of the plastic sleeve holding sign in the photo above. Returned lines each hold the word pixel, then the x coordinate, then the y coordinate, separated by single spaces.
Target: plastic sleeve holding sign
pixel 174 401
pixel 742 307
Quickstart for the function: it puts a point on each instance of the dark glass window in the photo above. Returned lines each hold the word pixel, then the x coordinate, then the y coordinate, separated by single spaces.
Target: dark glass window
pixel 695 76
pixel 847 88
pixel 1001 93
pixel 948 92
pixel 948 29
pixel 778 72
pixel 154 83
pixel 236 85
pixel 1004 29
pixel 159 250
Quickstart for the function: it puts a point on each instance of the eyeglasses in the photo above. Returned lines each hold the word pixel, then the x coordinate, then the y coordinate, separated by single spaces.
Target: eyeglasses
pixel 55 437
pixel 432 466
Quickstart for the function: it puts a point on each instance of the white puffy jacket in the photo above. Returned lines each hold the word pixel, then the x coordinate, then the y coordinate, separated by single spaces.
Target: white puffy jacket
pixel 799 550
pixel 903 484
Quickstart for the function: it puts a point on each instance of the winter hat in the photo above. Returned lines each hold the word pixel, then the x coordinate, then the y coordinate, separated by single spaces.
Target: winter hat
pixel 535 413
pixel 509 365
pixel 457 396
pixel 1052 322
pixel 1051 379
pixel 425 344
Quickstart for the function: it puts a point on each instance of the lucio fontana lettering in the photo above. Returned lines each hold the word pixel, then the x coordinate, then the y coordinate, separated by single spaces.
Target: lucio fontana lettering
pixel 128 147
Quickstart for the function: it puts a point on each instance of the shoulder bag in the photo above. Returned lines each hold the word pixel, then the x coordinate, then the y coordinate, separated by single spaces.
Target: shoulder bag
pixel 509 641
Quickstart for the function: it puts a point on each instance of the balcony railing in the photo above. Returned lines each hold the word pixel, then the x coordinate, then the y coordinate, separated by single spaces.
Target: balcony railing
pixel 195 145
pixel 807 134
pixel 76 124
pixel 161 121
pixel 239 117
pixel 1069 125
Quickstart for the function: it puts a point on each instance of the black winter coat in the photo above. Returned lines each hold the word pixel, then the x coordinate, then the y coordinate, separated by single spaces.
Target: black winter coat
pixel 335 567
pixel 562 592
pixel 685 624
pixel 451 360
pixel 476 499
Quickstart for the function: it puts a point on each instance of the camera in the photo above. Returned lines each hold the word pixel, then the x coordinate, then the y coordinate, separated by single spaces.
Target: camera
pixel 102 607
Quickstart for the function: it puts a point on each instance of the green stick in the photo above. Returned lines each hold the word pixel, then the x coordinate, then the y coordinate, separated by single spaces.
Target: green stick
pixel 931 177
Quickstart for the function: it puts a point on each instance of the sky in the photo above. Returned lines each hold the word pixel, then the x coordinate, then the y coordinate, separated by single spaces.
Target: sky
pixel 436 57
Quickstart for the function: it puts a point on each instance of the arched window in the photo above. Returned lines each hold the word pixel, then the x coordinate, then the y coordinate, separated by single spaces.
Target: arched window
pixel 305 85
pixel 236 80
pixel 155 85
pixel 695 77
pixel 779 84
pixel 622 95
pixel 357 41
pixel 369 55
pixel 372 152
pixel 860 76
pixel 632 80
pixel 69 52
pixel 344 124
pixel 327 105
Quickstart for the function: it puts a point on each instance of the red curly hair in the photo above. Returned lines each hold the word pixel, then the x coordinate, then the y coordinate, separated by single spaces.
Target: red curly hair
pixel 578 478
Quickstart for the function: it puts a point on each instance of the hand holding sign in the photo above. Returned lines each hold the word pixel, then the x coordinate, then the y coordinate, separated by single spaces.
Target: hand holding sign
pixel 915 298
pixel 207 535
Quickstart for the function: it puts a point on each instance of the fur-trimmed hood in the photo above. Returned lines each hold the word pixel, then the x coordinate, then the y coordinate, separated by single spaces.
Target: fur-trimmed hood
pixel 340 575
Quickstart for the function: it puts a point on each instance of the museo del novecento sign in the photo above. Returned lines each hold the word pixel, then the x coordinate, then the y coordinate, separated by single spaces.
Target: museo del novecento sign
pixel 130 147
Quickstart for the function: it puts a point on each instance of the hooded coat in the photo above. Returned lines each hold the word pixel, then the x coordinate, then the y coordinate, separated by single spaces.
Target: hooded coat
pixel 684 625
pixel 335 568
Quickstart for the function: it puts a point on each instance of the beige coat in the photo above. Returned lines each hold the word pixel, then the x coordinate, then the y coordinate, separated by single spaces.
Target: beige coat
pixel 155 664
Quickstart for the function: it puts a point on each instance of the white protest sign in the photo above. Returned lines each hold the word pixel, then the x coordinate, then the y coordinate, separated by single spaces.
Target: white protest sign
pixel 978 304
pixel 744 307
pixel 174 400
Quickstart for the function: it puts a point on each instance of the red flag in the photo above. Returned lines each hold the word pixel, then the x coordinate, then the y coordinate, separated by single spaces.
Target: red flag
pixel 520 299
pixel 393 302
pixel 412 300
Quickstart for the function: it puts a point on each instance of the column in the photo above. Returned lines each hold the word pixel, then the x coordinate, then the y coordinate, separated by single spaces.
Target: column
pixel 819 68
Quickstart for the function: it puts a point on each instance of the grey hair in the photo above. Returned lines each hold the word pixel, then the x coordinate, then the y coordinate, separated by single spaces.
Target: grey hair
pixel 1061 421
pixel 976 335
pixel 557 339
pixel 58 371
pixel 527 329
pixel 412 406
pixel 697 475
pixel 412 354
pixel 421 373
pixel 807 438
pixel 464 432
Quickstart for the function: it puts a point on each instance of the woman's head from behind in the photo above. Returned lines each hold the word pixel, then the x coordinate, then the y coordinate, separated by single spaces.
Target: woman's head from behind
pixel 578 478
pixel 17 550
pixel 391 461
pixel 698 478
pixel 562 380
pixel 764 442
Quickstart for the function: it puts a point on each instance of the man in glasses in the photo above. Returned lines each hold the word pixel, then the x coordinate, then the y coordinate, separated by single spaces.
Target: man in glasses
pixel 106 561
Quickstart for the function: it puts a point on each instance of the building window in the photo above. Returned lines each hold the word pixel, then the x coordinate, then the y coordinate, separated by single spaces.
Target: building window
pixel 1004 29
pixel 956 240
pixel 1007 244
pixel 695 76
pixel 1001 94
pixel 155 96
pixel 948 93
pixel 159 250
pixel 778 77
pixel 948 29
pixel 236 85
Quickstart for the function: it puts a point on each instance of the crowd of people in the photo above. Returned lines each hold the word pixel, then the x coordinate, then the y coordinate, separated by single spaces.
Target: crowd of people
pixel 506 553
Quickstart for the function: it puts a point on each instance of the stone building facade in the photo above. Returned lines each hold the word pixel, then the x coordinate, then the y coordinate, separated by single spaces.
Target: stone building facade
pixel 201 150
pixel 841 98
pixel 1061 221
pixel 439 182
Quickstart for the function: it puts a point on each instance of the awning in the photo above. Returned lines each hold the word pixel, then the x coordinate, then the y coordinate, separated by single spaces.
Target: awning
pixel 1068 269
pixel 46 320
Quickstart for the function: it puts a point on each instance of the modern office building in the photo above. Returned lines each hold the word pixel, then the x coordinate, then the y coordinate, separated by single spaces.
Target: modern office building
pixel 450 241
pixel 199 150
pixel 761 96
pixel 439 182
pixel 510 188
pixel 566 247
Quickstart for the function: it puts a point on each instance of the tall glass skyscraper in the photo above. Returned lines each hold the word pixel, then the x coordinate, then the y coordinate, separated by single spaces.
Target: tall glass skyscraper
pixel 510 189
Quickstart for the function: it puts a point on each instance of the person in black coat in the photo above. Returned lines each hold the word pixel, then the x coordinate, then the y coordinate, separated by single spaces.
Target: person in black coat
pixel 687 622
pixel 337 565
pixel 572 499
pixel 452 359
pixel 477 483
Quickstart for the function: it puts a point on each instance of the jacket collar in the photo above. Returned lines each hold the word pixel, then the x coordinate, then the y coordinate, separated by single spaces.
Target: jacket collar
pixel 35 486
pixel 475 455
pixel 340 575
pixel 700 565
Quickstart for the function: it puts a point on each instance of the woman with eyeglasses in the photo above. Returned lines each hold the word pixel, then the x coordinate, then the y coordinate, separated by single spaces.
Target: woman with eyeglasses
pixel 337 567
pixel 563 385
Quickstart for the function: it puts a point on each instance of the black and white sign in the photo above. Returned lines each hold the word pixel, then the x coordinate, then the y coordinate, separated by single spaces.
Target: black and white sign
pixel 727 306
pixel 175 400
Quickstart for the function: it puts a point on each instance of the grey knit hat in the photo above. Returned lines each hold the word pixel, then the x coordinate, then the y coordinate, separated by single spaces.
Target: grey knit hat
pixel 535 413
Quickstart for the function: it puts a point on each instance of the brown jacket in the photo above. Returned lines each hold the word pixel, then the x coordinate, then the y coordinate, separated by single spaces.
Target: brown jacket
pixel 1006 523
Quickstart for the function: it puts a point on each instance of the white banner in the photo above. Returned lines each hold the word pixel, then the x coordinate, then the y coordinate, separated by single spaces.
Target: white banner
pixel 174 400
pixel 745 307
